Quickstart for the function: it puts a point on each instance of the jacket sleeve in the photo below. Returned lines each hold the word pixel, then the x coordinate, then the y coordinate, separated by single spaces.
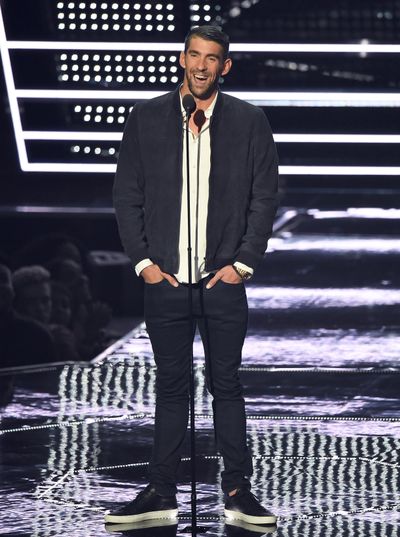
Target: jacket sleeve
pixel 264 194
pixel 129 194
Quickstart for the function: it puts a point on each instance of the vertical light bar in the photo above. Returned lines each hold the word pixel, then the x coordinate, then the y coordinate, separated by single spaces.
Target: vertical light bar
pixel 12 97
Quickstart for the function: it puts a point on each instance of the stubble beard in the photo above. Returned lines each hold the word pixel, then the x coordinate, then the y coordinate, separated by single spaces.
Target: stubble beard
pixel 206 93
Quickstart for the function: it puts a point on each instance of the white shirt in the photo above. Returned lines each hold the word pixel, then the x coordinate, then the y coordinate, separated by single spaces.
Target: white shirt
pixel 200 165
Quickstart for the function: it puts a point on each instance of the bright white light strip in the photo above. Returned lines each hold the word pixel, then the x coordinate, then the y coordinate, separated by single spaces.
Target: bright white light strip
pixel 339 170
pixel 88 94
pixel 289 97
pixel 334 296
pixel 68 167
pixel 94 45
pixel 358 48
pixel 281 138
pixel 338 243
pixel 315 102
pixel 283 170
pixel 12 98
pixel 260 98
pixel 338 138
pixel 299 96
pixel 65 135
pixel 357 212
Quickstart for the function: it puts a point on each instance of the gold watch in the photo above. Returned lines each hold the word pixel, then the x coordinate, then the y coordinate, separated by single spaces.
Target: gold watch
pixel 244 274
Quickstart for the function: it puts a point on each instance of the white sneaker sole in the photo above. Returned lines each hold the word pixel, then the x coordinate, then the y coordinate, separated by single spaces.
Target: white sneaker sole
pixel 144 524
pixel 250 519
pixel 264 529
pixel 150 515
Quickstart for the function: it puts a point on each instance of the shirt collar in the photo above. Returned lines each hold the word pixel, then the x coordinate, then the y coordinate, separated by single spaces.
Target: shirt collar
pixel 208 112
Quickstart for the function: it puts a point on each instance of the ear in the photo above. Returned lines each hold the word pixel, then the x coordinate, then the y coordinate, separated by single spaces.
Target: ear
pixel 182 61
pixel 227 67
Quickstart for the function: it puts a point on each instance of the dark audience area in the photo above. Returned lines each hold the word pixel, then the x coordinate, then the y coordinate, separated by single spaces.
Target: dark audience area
pixel 60 302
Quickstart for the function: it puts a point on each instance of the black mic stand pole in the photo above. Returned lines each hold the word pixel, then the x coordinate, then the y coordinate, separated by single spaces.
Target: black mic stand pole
pixel 190 105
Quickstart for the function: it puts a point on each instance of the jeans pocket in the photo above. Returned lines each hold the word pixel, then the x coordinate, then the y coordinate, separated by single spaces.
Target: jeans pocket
pixel 155 283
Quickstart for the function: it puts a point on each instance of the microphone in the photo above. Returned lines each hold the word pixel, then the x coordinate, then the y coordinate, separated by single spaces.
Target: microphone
pixel 188 104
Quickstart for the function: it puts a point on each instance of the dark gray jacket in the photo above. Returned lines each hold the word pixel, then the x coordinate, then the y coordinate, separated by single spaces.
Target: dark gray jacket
pixel 242 185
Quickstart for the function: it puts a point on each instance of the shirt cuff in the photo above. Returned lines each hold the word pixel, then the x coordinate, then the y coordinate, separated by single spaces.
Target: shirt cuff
pixel 142 265
pixel 243 267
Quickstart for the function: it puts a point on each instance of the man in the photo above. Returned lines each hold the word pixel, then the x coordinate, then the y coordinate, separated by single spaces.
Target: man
pixel 34 301
pixel 33 293
pixel 233 174
pixel 24 341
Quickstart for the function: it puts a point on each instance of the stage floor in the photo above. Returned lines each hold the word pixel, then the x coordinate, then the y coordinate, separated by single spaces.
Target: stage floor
pixel 321 378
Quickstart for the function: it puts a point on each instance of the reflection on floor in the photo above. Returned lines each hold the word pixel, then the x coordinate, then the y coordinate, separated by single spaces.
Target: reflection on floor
pixel 321 375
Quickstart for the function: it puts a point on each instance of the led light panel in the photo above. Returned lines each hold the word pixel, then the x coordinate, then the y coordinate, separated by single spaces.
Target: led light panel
pixel 92 61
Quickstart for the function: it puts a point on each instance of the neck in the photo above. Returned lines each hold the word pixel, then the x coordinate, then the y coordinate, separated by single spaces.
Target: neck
pixel 201 104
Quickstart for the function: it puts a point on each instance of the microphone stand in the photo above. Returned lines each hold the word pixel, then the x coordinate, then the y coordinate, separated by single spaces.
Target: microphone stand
pixel 190 106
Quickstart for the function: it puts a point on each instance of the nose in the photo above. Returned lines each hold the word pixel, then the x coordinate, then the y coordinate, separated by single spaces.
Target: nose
pixel 201 65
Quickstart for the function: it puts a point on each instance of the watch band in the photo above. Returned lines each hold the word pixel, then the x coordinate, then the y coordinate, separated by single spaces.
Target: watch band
pixel 242 273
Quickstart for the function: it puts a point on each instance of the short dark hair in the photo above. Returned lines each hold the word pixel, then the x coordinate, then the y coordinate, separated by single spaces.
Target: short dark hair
pixel 209 33
pixel 30 275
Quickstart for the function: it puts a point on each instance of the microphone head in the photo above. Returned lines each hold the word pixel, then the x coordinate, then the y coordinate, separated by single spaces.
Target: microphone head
pixel 188 103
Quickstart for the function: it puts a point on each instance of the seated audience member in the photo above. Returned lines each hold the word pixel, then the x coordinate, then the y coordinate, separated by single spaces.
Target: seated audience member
pixel 70 274
pixel 32 293
pixel 23 340
pixel 33 300
pixel 61 304
pixel 89 317
pixel 60 323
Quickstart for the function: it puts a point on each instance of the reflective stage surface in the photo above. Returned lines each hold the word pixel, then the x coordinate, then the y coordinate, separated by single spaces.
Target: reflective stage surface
pixel 321 377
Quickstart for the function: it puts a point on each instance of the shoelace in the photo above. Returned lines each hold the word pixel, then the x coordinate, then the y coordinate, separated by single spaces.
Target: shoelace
pixel 248 493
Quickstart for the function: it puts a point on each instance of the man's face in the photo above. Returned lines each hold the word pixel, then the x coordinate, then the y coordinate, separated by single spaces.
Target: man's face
pixel 204 64
pixel 34 301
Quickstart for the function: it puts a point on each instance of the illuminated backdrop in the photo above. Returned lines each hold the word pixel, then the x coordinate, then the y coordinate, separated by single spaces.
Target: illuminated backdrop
pixel 326 73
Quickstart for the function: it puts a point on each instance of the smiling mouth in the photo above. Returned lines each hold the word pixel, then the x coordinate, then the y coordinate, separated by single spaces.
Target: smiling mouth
pixel 200 78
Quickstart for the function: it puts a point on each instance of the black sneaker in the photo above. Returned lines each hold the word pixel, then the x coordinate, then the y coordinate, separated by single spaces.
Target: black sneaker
pixel 146 506
pixel 245 506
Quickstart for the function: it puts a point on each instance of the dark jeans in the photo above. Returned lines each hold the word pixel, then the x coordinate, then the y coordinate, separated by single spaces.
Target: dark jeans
pixel 221 315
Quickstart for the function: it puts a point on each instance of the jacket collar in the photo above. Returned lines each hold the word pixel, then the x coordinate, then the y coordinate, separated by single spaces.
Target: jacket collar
pixel 177 102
